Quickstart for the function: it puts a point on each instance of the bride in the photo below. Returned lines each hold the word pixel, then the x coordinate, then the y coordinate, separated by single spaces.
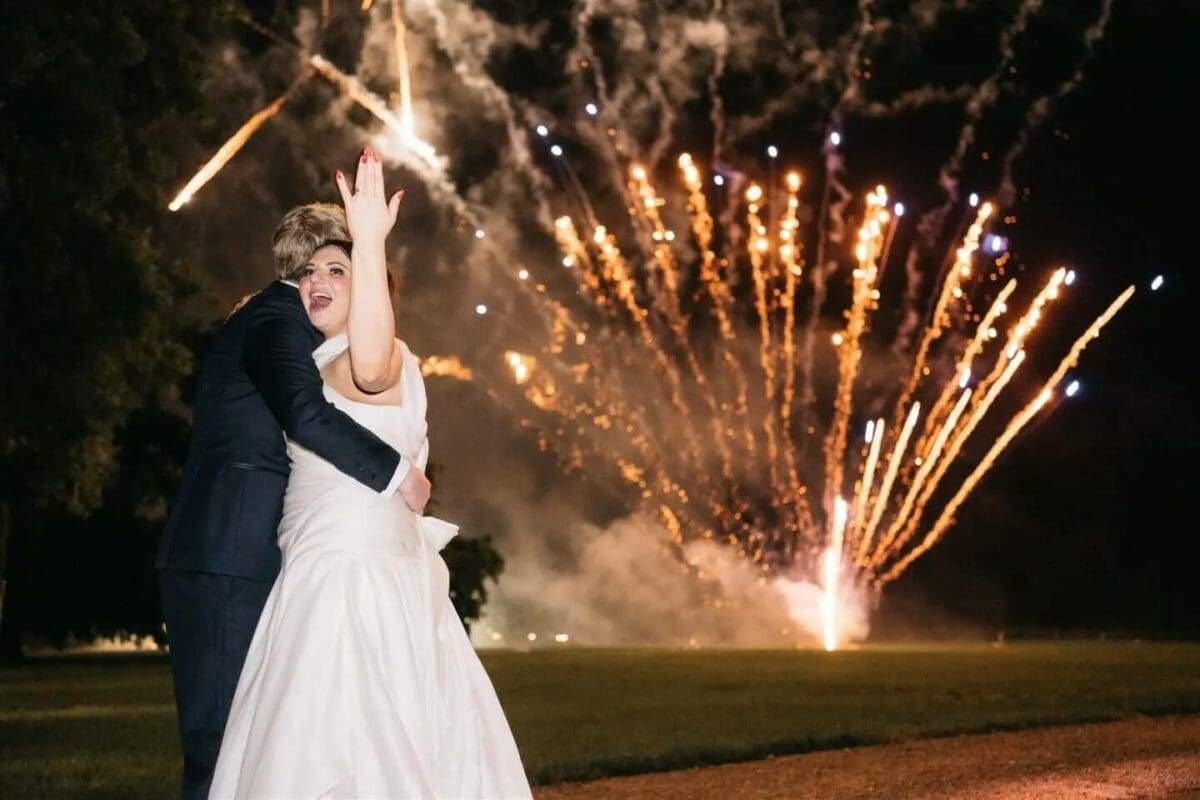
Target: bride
pixel 360 680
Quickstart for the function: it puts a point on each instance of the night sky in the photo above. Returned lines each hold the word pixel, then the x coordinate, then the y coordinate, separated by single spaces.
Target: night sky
pixel 1084 524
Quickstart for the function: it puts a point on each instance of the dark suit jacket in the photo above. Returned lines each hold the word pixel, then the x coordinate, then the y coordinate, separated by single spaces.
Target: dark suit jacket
pixel 257 382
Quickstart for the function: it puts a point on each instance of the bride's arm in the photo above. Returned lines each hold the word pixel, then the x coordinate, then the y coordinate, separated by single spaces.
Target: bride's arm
pixel 375 358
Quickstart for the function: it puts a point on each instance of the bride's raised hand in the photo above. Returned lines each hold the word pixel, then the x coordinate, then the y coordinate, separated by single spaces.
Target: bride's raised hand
pixel 369 215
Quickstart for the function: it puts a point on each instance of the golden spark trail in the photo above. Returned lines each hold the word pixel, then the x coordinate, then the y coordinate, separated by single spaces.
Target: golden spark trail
pixel 958 440
pixel 831 573
pixel 702 229
pixel 864 489
pixel 668 297
pixel 790 257
pixel 889 477
pixel 758 245
pixel 401 36
pixel 849 342
pixel 962 369
pixel 1020 332
pixel 523 368
pixel 927 465
pixel 648 206
pixel 575 253
pixel 1014 427
pixel 231 147
pixel 543 393
pixel 718 291
pixel 951 290
pixel 445 366
pixel 887 244
pixel 378 107
pixel 615 263
pixel 790 250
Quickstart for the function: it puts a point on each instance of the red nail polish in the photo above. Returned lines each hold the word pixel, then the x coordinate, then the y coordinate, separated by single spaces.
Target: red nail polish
pixel 338 174
pixel 363 158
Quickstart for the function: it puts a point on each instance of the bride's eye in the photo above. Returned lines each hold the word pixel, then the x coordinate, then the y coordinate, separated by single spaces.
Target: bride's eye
pixel 337 271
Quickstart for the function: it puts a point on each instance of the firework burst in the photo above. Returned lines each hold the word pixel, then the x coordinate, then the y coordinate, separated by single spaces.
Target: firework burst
pixel 727 462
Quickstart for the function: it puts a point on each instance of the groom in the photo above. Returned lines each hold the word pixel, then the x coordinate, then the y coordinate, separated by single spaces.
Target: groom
pixel 218 558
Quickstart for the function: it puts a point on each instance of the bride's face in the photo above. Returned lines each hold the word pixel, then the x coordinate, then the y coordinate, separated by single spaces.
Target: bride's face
pixel 325 289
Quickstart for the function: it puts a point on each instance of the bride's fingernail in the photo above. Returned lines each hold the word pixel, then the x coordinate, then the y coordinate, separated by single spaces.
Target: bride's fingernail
pixel 338 174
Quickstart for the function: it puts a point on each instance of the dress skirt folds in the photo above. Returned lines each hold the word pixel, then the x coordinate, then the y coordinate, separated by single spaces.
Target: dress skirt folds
pixel 360 681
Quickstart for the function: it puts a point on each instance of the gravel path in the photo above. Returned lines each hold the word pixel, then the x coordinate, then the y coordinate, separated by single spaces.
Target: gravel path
pixel 1140 758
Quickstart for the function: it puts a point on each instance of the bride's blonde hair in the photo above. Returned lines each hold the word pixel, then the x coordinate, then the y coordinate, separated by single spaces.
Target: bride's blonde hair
pixel 303 230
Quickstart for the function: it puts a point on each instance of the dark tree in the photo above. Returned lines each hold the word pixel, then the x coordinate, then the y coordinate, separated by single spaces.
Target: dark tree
pixel 471 558
pixel 94 101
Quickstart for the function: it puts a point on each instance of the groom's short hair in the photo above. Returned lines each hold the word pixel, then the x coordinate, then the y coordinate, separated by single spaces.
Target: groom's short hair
pixel 303 230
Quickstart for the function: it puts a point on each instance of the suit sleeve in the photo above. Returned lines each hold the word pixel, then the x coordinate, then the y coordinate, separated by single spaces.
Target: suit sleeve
pixel 280 365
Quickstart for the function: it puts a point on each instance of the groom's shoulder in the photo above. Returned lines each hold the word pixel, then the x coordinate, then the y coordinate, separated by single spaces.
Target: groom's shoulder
pixel 275 300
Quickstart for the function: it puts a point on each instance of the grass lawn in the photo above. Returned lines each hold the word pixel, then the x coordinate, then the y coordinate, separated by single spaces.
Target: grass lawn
pixel 105 727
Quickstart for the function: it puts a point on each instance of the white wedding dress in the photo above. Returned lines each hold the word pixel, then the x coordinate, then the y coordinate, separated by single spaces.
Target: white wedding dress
pixel 360 681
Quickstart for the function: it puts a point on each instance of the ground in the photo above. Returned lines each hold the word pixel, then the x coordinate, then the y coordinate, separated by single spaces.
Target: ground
pixel 106 728
pixel 1142 758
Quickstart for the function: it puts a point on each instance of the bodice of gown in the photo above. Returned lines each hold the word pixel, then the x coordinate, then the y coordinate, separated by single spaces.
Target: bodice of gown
pixel 325 510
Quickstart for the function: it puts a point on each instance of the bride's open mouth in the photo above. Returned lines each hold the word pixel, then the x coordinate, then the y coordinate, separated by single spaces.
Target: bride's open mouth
pixel 319 301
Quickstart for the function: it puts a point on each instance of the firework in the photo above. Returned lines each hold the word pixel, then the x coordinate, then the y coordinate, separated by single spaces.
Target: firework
pixel 1010 432
pixel 375 104
pixel 407 120
pixel 849 341
pixel 758 503
pixel 403 127
pixel 445 366
pixel 831 567
pixel 229 150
